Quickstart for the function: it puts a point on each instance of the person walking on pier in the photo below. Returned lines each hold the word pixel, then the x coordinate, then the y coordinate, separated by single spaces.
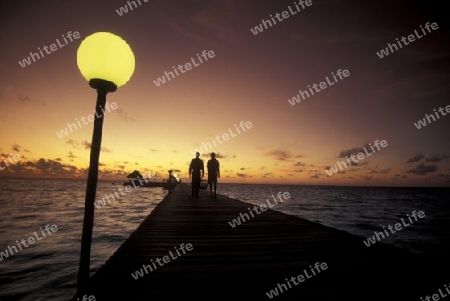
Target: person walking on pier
pixel 195 168
pixel 213 172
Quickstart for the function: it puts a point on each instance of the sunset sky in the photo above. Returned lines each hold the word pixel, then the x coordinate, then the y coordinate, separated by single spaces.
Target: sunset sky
pixel 250 78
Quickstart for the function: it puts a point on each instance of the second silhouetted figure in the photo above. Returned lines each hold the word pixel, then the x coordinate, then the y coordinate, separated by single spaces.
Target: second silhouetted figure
pixel 196 172
pixel 213 172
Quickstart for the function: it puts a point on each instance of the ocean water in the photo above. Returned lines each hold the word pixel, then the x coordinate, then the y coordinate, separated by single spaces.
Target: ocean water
pixel 47 269
pixel 363 210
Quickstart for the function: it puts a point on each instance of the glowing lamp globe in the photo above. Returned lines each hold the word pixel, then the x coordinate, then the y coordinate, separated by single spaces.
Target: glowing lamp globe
pixel 105 56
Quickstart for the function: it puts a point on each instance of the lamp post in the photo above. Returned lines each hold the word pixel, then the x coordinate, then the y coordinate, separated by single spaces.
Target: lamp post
pixel 107 62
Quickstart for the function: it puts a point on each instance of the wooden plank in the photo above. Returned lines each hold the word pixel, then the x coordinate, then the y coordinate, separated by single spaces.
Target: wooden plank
pixel 253 258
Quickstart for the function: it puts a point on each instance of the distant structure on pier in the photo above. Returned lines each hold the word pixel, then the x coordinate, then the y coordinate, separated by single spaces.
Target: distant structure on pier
pixel 149 180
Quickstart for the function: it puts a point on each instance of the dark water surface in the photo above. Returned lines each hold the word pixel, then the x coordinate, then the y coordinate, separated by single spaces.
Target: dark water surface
pixel 47 269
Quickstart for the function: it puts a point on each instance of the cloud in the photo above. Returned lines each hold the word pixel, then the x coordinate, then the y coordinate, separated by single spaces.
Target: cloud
pixel 436 158
pixel 380 171
pixel 299 164
pixel 213 22
pixel 16 147
pixel 243 175
pixel 43 164
pixel 314 173
pixel 24 99
pixel 290 171
pixel 51 167
pixel 353 151
pixel 282 155
pixel 385 171
pixel 242 168
pixel 205 24
pixel 422 169
pixel 87 145
pixel 268 175
pixel 331 39
pixel 171 20
pixel 444 176
pixel 48 168
pixel 106 150
pixel 72 155
pixel 345 164
pixel 123 115
pixel 218 155
pixel 72 142
pixel 415 158
pixel 153 150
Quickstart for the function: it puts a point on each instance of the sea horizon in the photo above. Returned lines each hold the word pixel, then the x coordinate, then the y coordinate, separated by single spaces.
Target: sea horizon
pixel 220 182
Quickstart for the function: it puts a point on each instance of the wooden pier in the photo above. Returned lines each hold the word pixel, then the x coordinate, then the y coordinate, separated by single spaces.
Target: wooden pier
pixel 246 262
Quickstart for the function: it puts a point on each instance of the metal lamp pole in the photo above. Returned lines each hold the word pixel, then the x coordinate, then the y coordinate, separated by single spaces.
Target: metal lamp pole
pixel 102 87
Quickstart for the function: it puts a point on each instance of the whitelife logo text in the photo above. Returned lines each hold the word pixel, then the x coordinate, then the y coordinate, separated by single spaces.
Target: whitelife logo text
pixel 11 250
pixel 35 56
pixel 187 66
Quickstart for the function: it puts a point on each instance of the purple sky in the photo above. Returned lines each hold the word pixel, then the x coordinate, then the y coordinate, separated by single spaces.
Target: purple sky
pixel 250 78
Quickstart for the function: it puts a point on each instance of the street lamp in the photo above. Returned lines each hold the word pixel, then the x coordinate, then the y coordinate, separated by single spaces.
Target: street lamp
pixel 107 62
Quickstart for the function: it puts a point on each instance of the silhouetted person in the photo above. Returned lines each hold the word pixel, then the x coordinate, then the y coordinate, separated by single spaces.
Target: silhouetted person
pixel 194 173
pixel 213 172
